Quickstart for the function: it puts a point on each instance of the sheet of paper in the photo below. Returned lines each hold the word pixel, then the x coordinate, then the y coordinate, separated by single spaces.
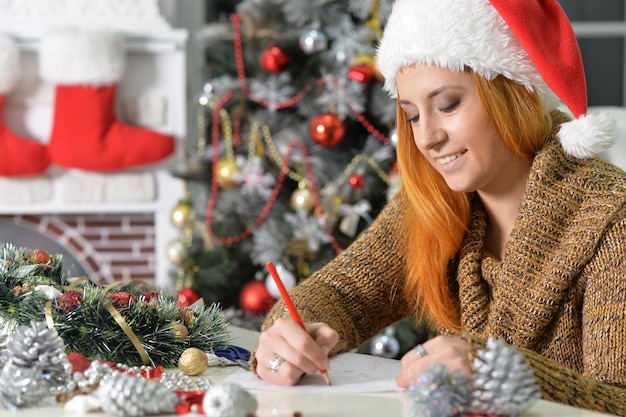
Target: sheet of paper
pixel 348 372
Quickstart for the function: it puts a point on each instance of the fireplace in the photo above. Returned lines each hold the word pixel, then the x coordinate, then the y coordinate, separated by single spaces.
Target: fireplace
pixel 104 247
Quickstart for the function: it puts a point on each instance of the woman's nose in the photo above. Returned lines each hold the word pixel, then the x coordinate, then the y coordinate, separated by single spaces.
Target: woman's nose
pixel 428 134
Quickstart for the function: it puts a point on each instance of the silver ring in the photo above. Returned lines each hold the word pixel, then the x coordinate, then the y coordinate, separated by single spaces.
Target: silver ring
pixel 421 352
pixel 275 364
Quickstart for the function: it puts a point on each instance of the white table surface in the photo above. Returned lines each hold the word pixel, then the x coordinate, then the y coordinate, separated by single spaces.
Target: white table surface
pixel 285 403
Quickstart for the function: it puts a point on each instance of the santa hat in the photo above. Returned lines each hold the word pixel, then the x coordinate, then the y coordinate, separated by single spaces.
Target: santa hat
pixel 528 41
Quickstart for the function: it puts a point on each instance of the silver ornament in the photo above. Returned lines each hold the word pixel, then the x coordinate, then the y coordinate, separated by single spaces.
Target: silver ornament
pixel 385 344
pixel 439 393
pixel 228 400
pixel 313 41
pixel 503 381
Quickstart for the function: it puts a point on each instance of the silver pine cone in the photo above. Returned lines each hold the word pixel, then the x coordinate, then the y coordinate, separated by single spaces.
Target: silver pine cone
pixel 503 381
pixel 34 366
pixel 123 395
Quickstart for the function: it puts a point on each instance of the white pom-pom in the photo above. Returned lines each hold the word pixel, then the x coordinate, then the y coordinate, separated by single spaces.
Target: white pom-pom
pixel 588 135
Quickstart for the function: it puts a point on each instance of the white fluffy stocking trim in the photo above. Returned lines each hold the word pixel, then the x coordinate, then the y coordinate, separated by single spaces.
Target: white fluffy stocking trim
pixel 74 56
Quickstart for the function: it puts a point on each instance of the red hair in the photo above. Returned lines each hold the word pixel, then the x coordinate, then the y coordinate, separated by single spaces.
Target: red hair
pixel 436 216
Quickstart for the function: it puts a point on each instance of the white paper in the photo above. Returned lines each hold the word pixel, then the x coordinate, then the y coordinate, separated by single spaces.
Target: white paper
pixel 348 372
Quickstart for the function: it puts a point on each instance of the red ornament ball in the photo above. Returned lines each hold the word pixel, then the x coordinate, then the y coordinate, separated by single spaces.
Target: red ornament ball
pixel 361 73
pixel 187 296
pixel 69 301
pixel 356 181
pixel 274 60
pixel 327 129
pixel 254 299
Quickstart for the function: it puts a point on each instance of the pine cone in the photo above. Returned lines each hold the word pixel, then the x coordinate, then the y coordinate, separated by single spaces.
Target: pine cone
pixel 503 381
pixel 124 395
pixel 35 366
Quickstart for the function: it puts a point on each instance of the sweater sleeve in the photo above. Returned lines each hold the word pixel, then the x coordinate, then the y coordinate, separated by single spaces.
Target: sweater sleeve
pixel 360 291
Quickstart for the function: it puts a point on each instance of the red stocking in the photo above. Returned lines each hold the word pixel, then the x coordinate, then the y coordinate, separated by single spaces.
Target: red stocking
pixel 18 156
pixel 85 67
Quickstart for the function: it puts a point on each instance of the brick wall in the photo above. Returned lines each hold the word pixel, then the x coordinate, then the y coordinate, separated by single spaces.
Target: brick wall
pixel 109 247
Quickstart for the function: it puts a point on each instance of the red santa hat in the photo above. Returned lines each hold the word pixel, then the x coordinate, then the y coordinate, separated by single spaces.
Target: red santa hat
pixel 528 41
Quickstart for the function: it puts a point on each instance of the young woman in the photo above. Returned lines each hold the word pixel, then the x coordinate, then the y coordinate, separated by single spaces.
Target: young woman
pixel 506 225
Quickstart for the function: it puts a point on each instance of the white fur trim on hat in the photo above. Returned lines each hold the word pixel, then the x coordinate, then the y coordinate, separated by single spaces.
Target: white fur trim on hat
pixel 453 34
pixel 589 135
pixel 9 63
pixel 75 56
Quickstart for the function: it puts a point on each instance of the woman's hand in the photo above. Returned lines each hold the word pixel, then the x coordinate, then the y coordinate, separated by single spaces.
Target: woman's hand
pixel 453 352
pixel 302 352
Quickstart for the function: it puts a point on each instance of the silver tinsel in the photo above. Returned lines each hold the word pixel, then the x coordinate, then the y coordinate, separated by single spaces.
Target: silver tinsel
pixel 503 381
pixel 34 366
pixel 124 395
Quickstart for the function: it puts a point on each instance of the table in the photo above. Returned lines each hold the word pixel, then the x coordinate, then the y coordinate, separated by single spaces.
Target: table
pixel 285 404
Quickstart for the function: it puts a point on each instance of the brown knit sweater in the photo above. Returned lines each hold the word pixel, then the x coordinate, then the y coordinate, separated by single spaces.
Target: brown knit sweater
pixel 559 292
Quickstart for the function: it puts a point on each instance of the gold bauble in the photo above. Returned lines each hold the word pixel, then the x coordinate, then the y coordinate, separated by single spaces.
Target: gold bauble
pixel 226 169
pixel 181 213
pixel 302 199
pixel 176 253
pixel 193 361
pixel 180 332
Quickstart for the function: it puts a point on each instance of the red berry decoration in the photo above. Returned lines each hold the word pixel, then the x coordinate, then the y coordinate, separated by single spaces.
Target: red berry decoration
pixel 149 296
pixel 361 73
pixel 254 299
pixel 274 60
pixel 39 256
pixel 356 181
pixel 120 299
pixel 327 129
pixel 69 301
pixel 187 296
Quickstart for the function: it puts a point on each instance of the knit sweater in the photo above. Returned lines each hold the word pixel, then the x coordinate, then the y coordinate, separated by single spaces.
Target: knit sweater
pixel 558 293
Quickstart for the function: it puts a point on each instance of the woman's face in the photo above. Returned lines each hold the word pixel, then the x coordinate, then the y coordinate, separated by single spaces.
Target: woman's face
pixel 452 130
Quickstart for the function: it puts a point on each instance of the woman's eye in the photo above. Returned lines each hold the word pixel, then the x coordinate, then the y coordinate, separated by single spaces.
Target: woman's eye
pixel 451 107
pixel 414 119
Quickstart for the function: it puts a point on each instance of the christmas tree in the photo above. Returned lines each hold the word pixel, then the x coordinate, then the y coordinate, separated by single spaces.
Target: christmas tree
pixel 296 152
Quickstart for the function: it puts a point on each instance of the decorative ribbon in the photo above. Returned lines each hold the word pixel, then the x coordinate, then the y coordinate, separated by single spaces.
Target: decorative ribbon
pixel 131 335
pixel 352 214
pixel 48 314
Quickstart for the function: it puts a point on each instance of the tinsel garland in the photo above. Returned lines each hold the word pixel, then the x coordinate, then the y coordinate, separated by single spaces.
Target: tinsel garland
pixel 132 324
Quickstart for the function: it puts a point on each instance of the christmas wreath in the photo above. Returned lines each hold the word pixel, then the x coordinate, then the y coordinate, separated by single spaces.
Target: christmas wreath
pixel 131 323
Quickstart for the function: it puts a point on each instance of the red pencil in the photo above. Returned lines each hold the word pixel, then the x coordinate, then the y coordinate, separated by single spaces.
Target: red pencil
pixel 292 309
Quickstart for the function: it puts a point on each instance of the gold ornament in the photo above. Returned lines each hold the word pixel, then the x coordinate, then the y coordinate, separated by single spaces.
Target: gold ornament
pixel 193 361
pixel 226 169
pixel 176 253
pixel 181 213
pixel 302 198
pixel 180 332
